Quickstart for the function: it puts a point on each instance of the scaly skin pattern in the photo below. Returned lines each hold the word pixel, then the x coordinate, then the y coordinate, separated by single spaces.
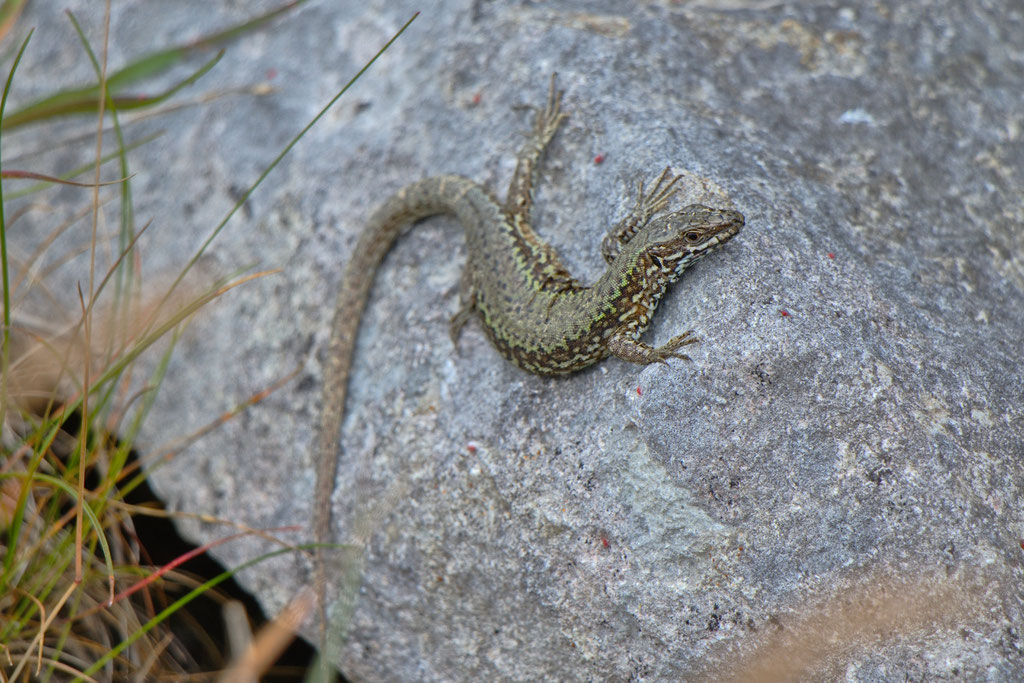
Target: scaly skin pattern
pixel 535 313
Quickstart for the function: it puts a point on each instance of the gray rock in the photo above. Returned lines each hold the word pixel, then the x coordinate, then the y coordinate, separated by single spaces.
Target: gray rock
pixel 855 409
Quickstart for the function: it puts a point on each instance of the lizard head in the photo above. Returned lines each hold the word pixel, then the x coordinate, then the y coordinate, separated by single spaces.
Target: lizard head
pixel 674 241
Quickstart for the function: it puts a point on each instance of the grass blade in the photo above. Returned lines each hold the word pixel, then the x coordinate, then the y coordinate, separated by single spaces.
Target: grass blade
pixel 5 354
pixel 84 100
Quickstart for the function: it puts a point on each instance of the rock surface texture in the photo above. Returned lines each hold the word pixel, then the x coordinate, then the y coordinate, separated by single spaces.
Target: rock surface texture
pixel 850 431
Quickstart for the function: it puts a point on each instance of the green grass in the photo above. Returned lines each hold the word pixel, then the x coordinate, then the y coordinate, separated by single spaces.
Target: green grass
pixel 77 601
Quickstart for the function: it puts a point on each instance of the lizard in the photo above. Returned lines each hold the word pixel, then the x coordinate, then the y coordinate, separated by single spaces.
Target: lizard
pixel 534 312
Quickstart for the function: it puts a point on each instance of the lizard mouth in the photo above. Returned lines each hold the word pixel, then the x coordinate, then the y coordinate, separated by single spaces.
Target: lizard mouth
pixel 731 223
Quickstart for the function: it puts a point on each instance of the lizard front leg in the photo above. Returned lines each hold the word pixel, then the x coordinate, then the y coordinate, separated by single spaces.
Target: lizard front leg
pixel 647 205
pixel 622 344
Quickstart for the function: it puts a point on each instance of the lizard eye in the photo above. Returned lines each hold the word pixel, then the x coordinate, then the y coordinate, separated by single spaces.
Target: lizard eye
pixel 692 236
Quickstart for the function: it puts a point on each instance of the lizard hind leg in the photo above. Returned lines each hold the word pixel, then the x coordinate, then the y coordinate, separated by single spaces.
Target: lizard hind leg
pixel 647 205
pixel 551 116
pixel 519 200
pixel 547 267
pixel 467 307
